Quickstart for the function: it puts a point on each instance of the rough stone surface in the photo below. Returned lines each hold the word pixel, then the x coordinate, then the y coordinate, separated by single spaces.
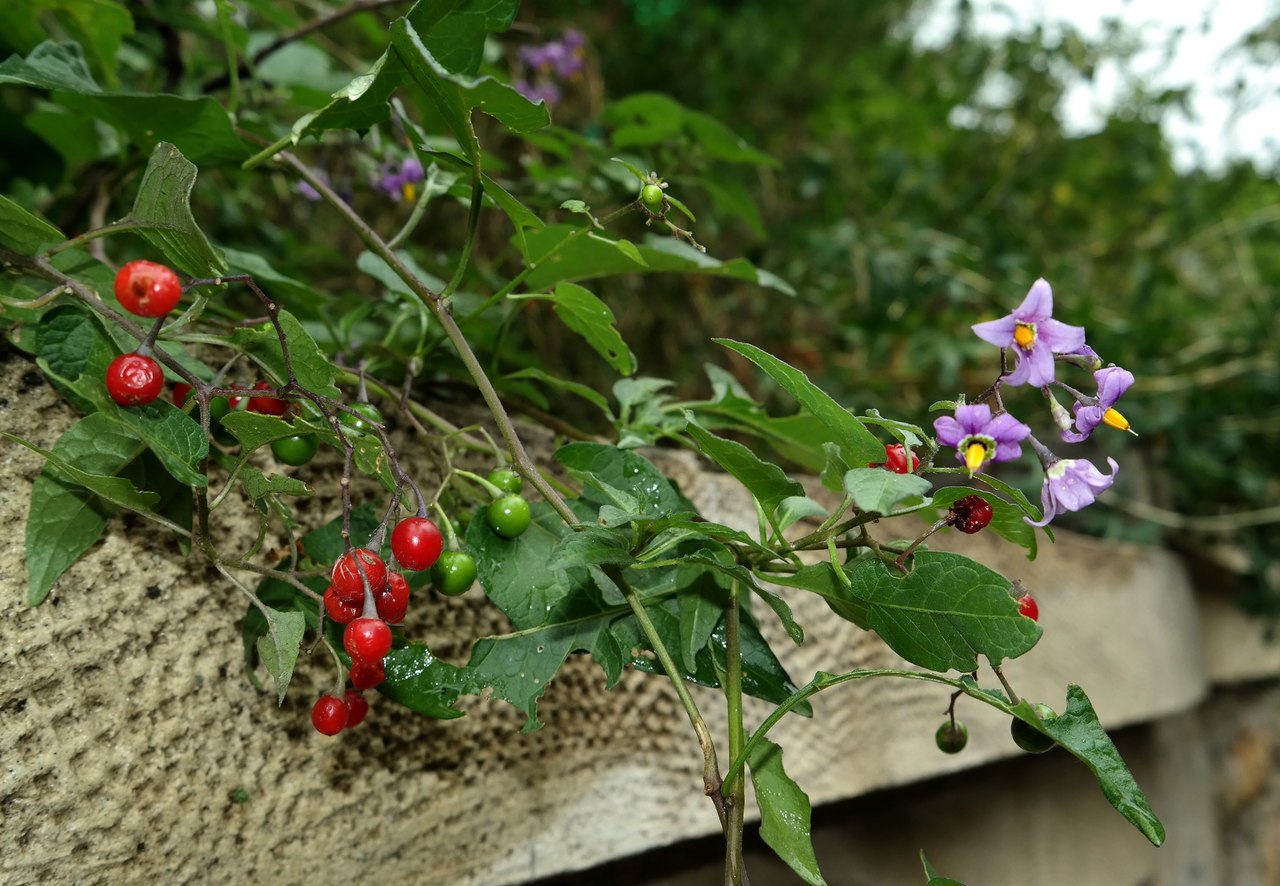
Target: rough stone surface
pixel 132 749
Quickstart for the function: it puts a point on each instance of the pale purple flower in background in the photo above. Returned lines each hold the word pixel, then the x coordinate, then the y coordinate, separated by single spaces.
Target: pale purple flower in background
pixel 1071 484
pixel 306 191
pixel 398 182
pixel 544 92
pixel 1089 413
pixel 1033 335
pixel 979 438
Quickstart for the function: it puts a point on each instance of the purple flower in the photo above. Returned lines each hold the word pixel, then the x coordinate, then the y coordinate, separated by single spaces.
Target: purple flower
pixel 306 191
pixel 979 438
pixel 1034 336
pixel 399 182
pixel 1071 484
pixel 1112 383
pixel 1085 357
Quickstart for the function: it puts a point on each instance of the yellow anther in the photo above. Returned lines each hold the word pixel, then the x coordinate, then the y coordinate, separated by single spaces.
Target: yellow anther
pixel 1113 419
pixel 974 456
pixel 1024 335
pixel 409 190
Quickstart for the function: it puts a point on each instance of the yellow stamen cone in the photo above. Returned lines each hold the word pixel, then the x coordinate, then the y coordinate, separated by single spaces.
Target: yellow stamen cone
pixel 1024 336
pixel 1113 419
pixel 974 456
pixel 409 191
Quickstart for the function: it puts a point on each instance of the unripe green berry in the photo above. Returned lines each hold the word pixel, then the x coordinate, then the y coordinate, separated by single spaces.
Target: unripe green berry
pixel 1028 737
pixel 651 196
pixel 952 736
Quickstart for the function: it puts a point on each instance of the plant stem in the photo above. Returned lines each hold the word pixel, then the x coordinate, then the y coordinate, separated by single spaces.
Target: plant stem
pixel 734 793
pixel 710 766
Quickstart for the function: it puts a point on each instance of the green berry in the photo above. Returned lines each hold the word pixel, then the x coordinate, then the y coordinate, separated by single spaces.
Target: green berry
pixel 369 414
pixel 1028 737
pixel 453 573
pixel 507 480
pixel 952 736
pixel 651 196
pixel 219 407
pixel 510 516
pixel 295 450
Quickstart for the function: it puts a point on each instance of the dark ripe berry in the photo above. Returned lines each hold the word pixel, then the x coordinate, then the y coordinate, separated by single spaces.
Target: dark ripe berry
pixel 346 580
pixel 1027 606
pixel 510 516
pixel 454 573
pixel 895 459
pixel 368 639
pixel 134 380
pixel 951 737
pixel 147 289
pixel 180 392
pixel 267 405
pixel 329 715
pixel 416 543
pixel 296 450
pixel 393 602
pixel 971 514
pixel 507 480
pixel 366 674
pixel 1028 737
pixel 357 707
pixel 339 610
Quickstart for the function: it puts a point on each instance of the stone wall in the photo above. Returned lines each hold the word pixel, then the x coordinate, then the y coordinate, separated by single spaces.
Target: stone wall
pixel 133 750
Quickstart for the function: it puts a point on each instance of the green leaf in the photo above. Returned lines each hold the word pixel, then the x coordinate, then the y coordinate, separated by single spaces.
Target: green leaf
pixel 934 879
pixel 591 395
pixel 876 490
pixel 172 435
pixel 313 369
pixel 1006 519
pixel 99 25
pixel 592 546
pixel 944 613
pixel 116 490
pixel 785 812
pixel 765 481
pixel 52 66
pixel 258 485
pixel 858 445
pixel 701 606
pixel 456 94
pixel 253 429
pixel 65 519
pixel 592 319
pixel 520 215
pixel 163 212
pixel 376 266
pixel 620 478
pixel 25 232
pixel 1077 729
pixel 795 508
pixel 557 253
pixel 279 646
pixel 1018 498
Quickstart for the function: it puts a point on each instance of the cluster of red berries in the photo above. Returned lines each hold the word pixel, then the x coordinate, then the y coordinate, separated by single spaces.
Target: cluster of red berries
pixel 368 597
pixel 145 289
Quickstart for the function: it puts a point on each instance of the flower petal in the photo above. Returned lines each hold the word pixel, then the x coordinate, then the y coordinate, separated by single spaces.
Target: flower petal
pixel 1021 368
pixel 949 431
pixel 1112 384
pixel 1059 337
pixel 1004 427
pixel 1037 307
pixel 996 332
pixel 1039 367
pixel 974 417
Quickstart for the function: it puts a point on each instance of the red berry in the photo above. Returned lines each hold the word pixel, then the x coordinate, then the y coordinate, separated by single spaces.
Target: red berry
pixel 134 379
pixel 368 639
pixel 347 583
pixel 147 289
pixel 416 543
pixel 340 610
pixel 895 459
pixel 358 707
pixel 329 715
pixel 1027 606
pixel 181 391
pixel 367 674
pixel 971 514
pixel 267 405
pixel 393 602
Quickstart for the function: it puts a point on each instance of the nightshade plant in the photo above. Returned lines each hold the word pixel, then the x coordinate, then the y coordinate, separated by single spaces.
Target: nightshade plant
pixel 610 558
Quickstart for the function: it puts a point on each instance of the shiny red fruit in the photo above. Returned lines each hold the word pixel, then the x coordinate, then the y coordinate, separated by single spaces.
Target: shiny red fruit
pixel 895 459
pixel 147 289
pixel 181 391
pixel 971 514
pixel 1027 606
pixel 416 543
pixel 346 581
pixel 368 639
pixel 366 674
pixel 393 602
pixel 267 405
pixel 339 610
pixel 329 715
pixel 134 380
pixel 357 707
